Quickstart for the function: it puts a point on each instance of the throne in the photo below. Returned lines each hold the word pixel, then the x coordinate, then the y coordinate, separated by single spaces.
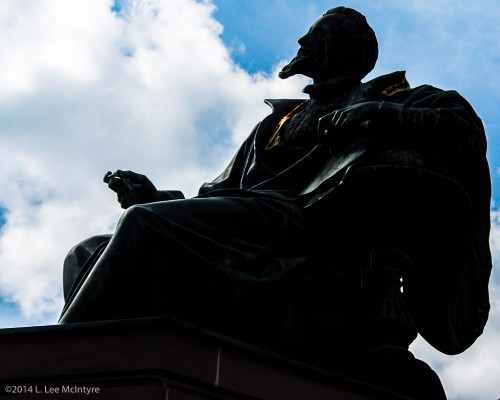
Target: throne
pixel 411 257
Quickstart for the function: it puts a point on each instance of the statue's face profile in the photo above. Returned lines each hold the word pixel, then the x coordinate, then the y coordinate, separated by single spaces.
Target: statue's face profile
pixel 315 57
pixel 339 44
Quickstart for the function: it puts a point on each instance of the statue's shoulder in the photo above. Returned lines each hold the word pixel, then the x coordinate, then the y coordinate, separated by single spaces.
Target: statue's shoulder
pixel 279 106
pixel 388 85
pixel 395 87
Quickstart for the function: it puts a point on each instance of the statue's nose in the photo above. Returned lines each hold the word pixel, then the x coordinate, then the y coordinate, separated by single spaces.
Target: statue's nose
pixel 304 40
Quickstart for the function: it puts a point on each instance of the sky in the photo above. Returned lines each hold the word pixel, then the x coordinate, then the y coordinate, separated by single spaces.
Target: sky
pixel 169 88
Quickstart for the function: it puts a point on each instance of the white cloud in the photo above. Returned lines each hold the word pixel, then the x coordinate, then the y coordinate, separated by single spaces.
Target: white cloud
pixel 55 36
pixel 85 91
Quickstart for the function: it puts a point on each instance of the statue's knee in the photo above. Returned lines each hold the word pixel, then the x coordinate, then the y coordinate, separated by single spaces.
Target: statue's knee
pixel 86 248
pixel 78 257
pixel 135 212
pixel 137 216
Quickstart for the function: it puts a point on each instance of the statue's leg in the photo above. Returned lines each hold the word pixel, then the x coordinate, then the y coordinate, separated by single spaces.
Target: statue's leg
pixel 79 260
pixel 206 260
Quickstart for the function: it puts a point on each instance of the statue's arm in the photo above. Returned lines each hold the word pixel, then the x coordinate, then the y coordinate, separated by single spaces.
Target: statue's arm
pixel 132 188
pixel 165 195
pixel 442 119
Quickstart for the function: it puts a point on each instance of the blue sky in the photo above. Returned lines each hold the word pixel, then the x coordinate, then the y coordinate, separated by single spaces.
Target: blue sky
pixel 169 88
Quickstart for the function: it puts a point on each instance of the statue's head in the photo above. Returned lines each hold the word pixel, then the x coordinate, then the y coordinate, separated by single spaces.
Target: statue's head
pixel 339 44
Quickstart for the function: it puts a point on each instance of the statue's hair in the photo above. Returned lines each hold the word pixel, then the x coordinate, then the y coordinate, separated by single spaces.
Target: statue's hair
pixel 359 48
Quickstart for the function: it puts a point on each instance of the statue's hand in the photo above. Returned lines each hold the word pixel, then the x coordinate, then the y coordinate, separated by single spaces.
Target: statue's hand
pixel 131 188
pixel 361 119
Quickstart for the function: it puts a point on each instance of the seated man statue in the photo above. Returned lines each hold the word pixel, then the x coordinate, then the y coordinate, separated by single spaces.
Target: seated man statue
pixel 326 204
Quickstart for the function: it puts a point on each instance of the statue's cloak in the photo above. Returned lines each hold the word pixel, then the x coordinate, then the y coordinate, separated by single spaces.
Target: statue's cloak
pixel 435 167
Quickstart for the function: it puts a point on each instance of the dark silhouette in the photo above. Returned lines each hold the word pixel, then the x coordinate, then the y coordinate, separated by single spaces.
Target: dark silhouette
pixel 300 245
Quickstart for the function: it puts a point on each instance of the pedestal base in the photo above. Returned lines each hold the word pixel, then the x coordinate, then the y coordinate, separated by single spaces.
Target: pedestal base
pixel 157 358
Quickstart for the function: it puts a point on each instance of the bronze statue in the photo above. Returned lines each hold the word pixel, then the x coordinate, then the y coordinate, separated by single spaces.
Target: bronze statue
pixel 300 244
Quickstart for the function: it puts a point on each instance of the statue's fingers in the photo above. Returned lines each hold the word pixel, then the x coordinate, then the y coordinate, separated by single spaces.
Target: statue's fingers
pixel 134 187
pixel 131 175
pixel 122 191
pixel 348 120
pixel 131 199
pixel 115 184
pixel 107 177
pixel 335 118
pixel 127 189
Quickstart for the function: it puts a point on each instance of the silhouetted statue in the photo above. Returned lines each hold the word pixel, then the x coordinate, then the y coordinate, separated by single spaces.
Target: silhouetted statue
pixel 300 245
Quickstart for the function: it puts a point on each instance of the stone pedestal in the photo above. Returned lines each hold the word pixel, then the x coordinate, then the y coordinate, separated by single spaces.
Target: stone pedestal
pixel 157 358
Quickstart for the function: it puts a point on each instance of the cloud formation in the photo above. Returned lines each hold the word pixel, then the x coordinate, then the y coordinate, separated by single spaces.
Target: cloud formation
pixel 86 90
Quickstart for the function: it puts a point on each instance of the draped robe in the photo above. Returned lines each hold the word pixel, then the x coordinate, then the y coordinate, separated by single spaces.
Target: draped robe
pixel 296 220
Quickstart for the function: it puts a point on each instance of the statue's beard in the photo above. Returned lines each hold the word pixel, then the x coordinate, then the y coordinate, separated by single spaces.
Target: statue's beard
pixel 302 64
